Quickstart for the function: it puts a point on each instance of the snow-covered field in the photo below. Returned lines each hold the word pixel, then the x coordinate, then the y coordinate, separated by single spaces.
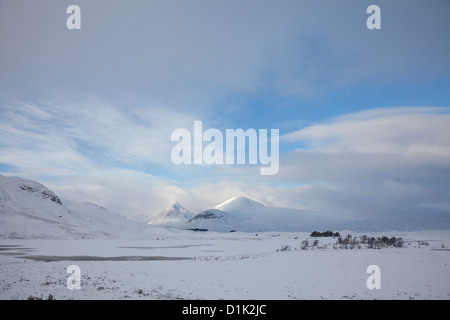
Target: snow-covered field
pixel 205 265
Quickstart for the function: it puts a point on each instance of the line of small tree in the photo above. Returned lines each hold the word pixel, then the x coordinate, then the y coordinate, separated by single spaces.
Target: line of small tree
pixel 350 242
pixel 325 234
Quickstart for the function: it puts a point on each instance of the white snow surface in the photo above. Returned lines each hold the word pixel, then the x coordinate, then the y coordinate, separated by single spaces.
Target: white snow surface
pixel 225 266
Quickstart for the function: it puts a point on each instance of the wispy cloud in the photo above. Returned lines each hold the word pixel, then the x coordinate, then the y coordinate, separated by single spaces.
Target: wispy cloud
pixel 81 136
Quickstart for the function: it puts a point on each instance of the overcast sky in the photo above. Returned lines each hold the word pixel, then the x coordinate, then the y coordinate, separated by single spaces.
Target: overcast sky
pixel 364 115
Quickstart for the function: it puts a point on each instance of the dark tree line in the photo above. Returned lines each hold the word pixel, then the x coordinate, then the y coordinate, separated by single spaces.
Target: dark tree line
pixel 350 242
pixel 325 234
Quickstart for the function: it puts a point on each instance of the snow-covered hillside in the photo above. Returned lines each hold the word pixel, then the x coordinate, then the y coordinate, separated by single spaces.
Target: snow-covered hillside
pixel 29 210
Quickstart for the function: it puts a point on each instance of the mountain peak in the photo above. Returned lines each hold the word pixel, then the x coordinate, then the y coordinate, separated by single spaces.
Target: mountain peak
pixel 239 203
pixel 177 206
pixel 173 215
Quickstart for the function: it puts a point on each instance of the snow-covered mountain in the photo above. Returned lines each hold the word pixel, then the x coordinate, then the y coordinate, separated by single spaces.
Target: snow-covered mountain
pixel 247 215
pixel 174 216
pixel 29 210
pixel 240 205
pixel 244 214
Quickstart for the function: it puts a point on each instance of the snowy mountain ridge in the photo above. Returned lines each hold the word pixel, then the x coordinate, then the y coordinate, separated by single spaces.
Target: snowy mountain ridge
pixel 247 215
pixel 29 210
